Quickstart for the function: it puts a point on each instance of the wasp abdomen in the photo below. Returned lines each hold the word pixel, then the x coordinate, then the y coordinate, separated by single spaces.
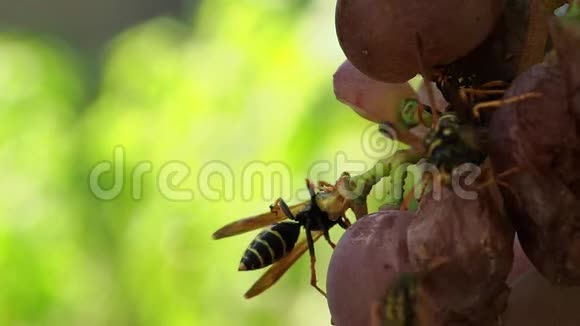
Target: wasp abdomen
pixel 270 245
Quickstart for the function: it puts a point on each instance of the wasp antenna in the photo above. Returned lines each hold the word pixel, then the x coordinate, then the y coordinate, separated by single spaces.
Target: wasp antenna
pixel 286 209
pixel 310 187
pixel 427 78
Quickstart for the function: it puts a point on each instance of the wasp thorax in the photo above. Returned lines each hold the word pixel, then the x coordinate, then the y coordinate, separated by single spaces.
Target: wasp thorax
pixel 447 147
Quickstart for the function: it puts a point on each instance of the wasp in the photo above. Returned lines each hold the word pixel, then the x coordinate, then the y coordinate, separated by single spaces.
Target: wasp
pixel 450 144
pixel 277 244
pixel 447 145
pixel 451 140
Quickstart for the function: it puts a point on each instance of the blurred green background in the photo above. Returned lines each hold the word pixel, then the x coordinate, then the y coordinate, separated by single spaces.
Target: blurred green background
pixel 232 82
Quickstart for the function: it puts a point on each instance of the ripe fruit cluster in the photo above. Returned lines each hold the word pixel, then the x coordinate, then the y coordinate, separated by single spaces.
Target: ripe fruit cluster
pixel 459 251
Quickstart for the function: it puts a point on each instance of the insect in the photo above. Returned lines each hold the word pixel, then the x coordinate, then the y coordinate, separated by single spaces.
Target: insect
pixel 451 139
pixel 446 146
pixel 277 244
pixel 449 144
pixel 479 89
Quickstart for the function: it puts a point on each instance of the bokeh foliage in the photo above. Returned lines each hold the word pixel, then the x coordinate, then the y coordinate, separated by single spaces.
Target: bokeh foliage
pixel 248 81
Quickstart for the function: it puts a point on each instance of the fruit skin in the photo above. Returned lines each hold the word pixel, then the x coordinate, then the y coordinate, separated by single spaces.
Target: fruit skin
pixel 538 134
pixel 371 99
pixel 379 36
pixel 365 261
pixel 464 249
pixel 495 59
pixel 541 138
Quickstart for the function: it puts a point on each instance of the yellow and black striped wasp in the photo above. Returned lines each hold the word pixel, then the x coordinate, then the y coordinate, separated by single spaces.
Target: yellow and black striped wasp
pixel 277 244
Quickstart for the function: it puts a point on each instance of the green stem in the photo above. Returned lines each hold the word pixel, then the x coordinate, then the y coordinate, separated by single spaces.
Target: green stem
pixel 360 186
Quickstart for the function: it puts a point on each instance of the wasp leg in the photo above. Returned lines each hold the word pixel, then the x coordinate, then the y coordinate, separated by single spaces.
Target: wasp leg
pixel 508 172
pixel 496 87
pixel 423 188
pixel 502 175
pixel 495 84
pixel 470 94
pixel 313 279
pixel 344 222
pixel 345 205
pixel 494 104
pixel 491 179
pixel 325 233
pixel 276 205
pixel 408 198
pixel 412 192
pixel 327 237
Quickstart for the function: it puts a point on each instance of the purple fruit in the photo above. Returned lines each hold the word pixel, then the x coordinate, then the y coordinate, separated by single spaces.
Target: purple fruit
pixel 540 137
pixel 379 36
pixel 368 257
pixel 464 249
pixel 373 100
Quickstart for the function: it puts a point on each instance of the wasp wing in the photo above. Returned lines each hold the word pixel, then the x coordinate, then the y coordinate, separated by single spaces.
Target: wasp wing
pixel 274 273
pixel 256 222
